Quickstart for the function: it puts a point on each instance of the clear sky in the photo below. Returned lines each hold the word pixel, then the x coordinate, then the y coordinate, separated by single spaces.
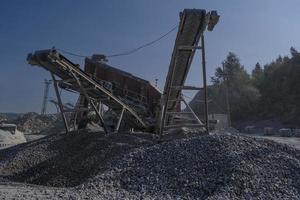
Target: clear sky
pixel 256 30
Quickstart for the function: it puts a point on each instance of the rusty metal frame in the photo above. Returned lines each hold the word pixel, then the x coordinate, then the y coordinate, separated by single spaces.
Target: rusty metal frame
pixel 60 105
pixel 120 120
pixel 204 85
pixel 97 86
pixel 90 101
pixel 163 119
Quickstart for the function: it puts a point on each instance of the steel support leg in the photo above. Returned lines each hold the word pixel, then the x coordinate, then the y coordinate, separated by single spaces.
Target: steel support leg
pixel 75 120
pixel 120 120
pixel 99 115
pixel 166 99
pixel 89 101
pixel 60 103
pixel 204 85
pixel 100 106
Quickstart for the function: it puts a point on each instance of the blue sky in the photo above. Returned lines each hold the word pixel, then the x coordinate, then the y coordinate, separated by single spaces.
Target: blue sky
pixel 256 30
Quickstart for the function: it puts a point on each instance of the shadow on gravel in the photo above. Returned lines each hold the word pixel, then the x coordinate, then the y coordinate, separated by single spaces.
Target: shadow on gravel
pixel 207 167
pixel 66 160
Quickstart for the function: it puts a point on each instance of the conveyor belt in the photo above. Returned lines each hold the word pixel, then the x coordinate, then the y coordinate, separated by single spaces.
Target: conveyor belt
pixel 192 25
pixel 60 66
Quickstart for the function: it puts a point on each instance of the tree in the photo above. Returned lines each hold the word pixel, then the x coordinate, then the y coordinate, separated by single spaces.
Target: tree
pixel 257 75
pixel 242 93
pixel 271 92
pixel 294 52
pixel 231 67
pixel 280 89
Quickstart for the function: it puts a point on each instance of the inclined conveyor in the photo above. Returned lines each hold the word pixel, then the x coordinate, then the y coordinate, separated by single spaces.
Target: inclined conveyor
pixel 193 23
pixel 70 74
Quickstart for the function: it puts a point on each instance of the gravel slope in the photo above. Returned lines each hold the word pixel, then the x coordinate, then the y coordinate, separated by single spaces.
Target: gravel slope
pixel 207 167
pixel 65 160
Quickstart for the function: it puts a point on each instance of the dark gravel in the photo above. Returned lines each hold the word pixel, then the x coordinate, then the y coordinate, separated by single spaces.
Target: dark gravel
pixel 209 167
pixel 65 160
pixel 137 167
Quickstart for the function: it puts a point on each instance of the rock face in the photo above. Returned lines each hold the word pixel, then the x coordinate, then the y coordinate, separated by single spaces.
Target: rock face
pixel 135 167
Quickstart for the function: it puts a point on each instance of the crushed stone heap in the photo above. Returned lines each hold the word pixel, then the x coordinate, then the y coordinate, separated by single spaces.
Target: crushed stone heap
pixel 66 160
pixel 209 167
pixel 206 167
pixel 34 123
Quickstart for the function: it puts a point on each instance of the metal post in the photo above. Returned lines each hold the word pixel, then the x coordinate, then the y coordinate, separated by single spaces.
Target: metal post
pixel 45 98
pixel 120 120
pixel 99 116
pixel 225 79
pixel 204 84
pixel 100 108
pixel 60 103
pixel 75 119
pixel 89 101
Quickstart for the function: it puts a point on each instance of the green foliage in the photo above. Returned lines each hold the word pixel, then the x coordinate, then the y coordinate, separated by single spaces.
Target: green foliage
pixel 257 75
pixel 280 89
pixel 271 92
pixel 235 80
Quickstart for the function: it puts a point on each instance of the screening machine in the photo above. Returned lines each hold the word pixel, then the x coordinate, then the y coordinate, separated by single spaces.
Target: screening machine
pixel 95 90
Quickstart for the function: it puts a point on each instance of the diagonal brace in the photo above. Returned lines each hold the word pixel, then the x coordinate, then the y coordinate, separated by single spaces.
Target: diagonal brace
pixel 60 105
pixel 83 91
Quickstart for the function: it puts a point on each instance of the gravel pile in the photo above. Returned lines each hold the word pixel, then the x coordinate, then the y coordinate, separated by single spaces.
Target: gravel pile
pixel 140 167
pixel 65 160
pixel 2 118
pixel 33 123
pixel 208 167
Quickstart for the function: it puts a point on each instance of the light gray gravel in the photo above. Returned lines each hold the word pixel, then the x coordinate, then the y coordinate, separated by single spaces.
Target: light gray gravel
pixel 206 167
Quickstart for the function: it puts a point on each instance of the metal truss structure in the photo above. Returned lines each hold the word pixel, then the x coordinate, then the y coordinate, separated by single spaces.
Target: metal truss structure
pixel 45 98
pixel 193 23
pixel 71 77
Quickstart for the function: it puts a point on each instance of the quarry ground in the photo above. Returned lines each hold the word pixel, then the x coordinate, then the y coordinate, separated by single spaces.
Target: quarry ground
pixel 88 165
pixel 291 141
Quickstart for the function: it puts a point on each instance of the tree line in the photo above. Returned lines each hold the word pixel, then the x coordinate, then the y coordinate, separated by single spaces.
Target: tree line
pixel 268 92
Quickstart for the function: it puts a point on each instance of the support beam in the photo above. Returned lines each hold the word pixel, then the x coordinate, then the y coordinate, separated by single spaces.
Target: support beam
pixel 179 113
pixel 189 48
pixel 184 125
pixel 120 120
pixel 187 88
pixel 83 91
pixel 166 98
pixel 191 110
pixel 99 116
pixel 60 105
pixel 100 88
pixel 75 121
pixel 77 110
pixel 204 85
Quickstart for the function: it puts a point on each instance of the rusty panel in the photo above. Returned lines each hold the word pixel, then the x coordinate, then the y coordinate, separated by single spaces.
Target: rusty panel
pixel 125 84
